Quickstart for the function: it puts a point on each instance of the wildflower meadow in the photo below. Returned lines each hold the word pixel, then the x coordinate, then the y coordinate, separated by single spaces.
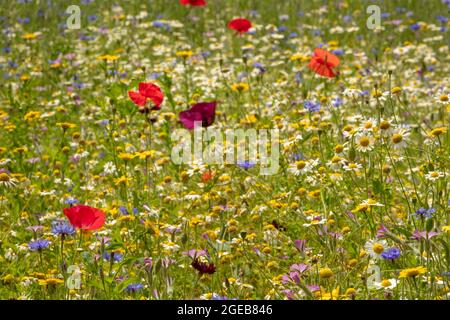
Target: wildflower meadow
pixel 224 150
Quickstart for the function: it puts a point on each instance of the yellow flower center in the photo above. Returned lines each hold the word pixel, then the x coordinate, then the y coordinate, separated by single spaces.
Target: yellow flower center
pixel 339 148
pixel 4 177
pixel 378 248
pixel 443 98
pixel 336 159
pixel 364 141
pixel 386 283
pixel 384 125
pixel 368 125
pixel 412 272
pixel 300 164
pixel 397 138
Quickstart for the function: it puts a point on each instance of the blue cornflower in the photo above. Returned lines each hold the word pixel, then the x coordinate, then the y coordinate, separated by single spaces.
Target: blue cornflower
pixel 158 24
pixel 134 287
pixel 71 201
pixel 298 156
pixel 338 52
pixel 364 93
pixel 259 66
pixel 25 20
pixel 442 19
pixel 62 228
pixel 311 106
pixel 116 256
pixel 245 164
pixel 427 213
pixel 38 245
pixel 347 18
pixel 155 75
pixel 123 210
pixel 414 27
pixel 316 32
pixel 217 297
pixel 337 102
pixel 12 64
pixel 78 85
pixel 391 254
pixel 92 18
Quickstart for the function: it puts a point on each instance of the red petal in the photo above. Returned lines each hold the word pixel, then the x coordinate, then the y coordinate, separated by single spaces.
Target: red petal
pixel 198 3
pixel 137 98
pixel 85 217
pixel 321 68
pixel 331 59
pixel 240 25
pixel 152 92
pixel 99 219
pixel 72 215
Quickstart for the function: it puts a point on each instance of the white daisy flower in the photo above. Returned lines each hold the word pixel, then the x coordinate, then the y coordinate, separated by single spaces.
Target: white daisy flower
pixel 375 248
pixel 434 175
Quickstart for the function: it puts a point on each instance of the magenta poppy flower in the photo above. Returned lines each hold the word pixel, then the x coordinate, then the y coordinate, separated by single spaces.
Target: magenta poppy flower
pixel 203 113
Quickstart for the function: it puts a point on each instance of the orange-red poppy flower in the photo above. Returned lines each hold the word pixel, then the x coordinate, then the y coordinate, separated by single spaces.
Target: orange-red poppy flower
pixel 324 63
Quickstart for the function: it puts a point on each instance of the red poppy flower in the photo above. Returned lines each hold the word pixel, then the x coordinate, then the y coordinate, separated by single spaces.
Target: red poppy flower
pixel 240 25
pixel 204 112
pixel 207 176
pixel 147 91
pixel 195 3
pixel 85 217
pixel 323 63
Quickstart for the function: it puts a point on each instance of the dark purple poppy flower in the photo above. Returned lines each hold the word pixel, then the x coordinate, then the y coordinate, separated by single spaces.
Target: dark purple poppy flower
pixel 203 267
pixel 203 113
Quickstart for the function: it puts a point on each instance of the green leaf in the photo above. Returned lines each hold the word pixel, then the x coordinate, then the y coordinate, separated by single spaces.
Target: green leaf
pixel 430 225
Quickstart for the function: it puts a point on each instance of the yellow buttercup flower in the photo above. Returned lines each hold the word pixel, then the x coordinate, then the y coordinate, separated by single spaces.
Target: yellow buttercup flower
pixel 184 54
pixel 66 125
pixel 412 272
pixel 32 115
pixel 437 131
pixel 126 156
pixel 325 273
pixel 240 87
pixel 108 57
pixel 30 36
